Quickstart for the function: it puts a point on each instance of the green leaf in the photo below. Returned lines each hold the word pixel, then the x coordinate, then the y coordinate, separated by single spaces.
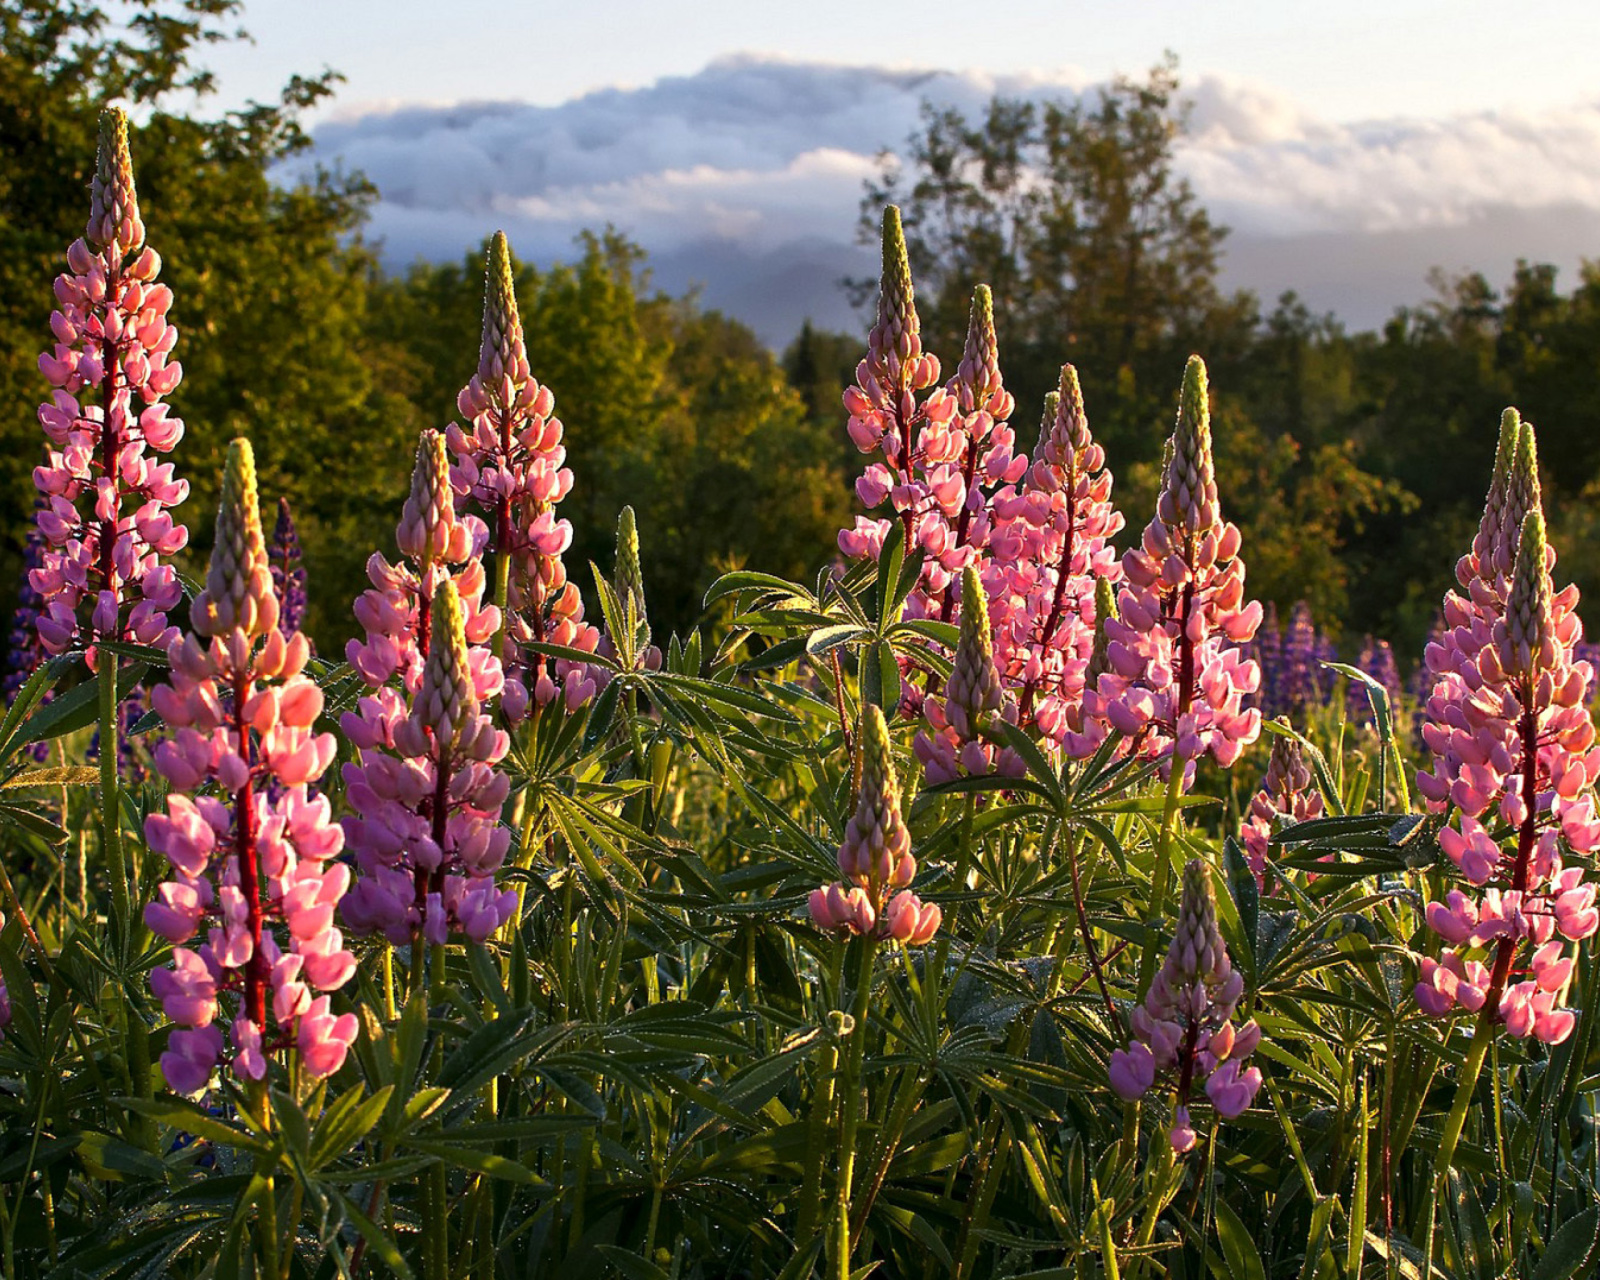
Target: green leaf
pixel 1572 1249
pixel 345 1123
pixel 185 1116
pixel 630 1266
pixel 1238 1246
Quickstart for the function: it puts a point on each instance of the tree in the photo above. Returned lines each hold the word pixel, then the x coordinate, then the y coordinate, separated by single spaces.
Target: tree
pixel 1095 249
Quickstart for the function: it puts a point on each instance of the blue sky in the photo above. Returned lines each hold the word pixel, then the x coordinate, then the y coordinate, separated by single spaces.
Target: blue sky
pixel 1351 146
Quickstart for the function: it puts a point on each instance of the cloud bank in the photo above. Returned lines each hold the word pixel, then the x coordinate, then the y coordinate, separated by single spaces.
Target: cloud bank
pixel 744 179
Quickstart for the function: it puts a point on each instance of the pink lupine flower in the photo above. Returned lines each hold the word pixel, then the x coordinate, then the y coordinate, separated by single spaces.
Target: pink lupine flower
pixel 1185 1026
pixel 1050 548
pixel 942 456
pixel 1288 796
pixel 435 545
pixel 875 856
pixel 251 862
pixel 427 797
pixel 953 743
pixel 105 515
pixel 509 465
pixel 1177 672
pixel 1516 743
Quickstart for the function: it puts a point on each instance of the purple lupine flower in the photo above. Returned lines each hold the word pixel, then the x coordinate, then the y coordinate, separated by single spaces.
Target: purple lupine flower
pixel 1185 1025
pixel 1326 679
pixel 24 651
pixel 1300 688
pixel 1377 660
pixel 1267 650
pixel 1420 683
pixel 288 571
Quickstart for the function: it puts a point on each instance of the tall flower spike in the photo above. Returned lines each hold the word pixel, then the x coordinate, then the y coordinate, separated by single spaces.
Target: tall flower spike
pixel 427 797
pixel 288 571
pixel 1510 732
pixel 1051 549
pixel 1185 1028
pixel 252 847
pixel 895 342
pixel 629 575
pixel 1179 672
pixel 509 464
pixel 114 221
pixel 502 353
pixel 1287 796
pixel 875 856
pixel 105 516
pixel 953 741
pixel 238 594
pixel 436 545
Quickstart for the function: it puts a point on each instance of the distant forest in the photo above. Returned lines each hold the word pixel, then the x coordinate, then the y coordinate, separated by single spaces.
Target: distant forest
pixel 1354 462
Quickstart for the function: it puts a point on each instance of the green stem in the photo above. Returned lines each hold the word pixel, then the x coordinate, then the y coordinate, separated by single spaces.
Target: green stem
pixel 821 1121
pixel 111 804
pixel 850 1104
pixel 1450 1137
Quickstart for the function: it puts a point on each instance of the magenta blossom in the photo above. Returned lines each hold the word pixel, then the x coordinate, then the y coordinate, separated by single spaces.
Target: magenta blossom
pixel 252 854
pixel 1177 672
pixel 1513 741
pixel 1185 1026
pixel 427 797
pixel 1288 796
pixel 1050 547
pixel 510 465
pixel 105 515
pixel 873 898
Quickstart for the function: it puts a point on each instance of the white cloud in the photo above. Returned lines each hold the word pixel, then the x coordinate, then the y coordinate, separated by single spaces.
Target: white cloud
pixel 750 173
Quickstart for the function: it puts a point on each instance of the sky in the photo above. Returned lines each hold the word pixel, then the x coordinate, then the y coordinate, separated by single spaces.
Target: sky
pixel 1351 147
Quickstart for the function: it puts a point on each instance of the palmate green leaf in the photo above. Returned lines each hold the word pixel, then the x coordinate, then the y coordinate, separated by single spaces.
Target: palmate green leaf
pixel 475 1161
pixel 378 1241
pixel 758 584
pixel 345 1122
pixel 183 1115
pixel 496 1047
pixel 817 643
pixel 75 775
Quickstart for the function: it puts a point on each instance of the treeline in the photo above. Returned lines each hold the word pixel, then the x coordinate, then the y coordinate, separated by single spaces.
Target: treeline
pixel 1355 462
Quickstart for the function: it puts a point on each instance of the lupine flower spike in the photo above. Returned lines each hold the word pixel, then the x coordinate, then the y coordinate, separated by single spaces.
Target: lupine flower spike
pixel 875 858
pixel 628 583
pixel 105 518
pixel 427 797
pixel 288 571
pixel 1050 550
pixel 1512 739
pixel 1288 796
pixel 1184 1029
pixel 941 457
pixel 1178 674
pixel 953 743
pixel 251 855
pixel 509 465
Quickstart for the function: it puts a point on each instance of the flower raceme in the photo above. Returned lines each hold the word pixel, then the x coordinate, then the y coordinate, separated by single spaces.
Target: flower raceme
pixel 1287 796
pixel 1177 673
pixel 1185 1026
pixel 953 742
pixel 509 463
pixel 251 855
pixel 105 516
pixel 288 571
pixel 1512 739
pixel 940 457
pixel 1050 547
pixel 873 898
pixel 418 876
pixel 427 796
